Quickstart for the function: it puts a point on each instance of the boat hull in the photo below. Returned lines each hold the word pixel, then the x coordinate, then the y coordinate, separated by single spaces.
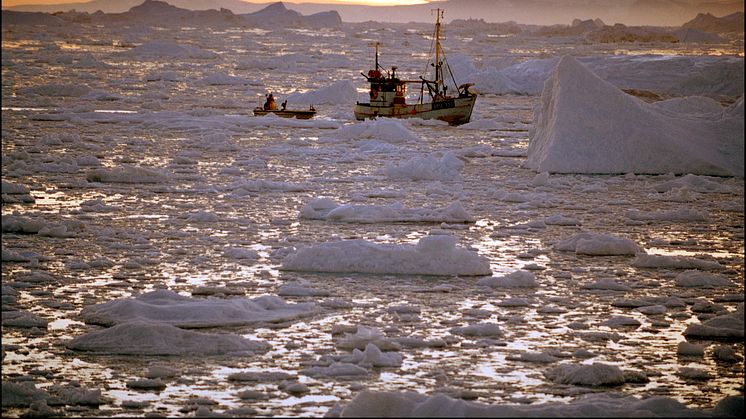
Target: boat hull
pixel 285 113
pixel 455 111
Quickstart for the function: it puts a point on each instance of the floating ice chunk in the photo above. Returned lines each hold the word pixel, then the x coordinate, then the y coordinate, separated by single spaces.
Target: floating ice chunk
pixel 541 179
pixel 97 206
pixel 482 125
pixel 165 49
pixel 299 289
pixel 147 384
pixel 595 244
pixel 369 403
pixel 240 253
pixel 652 310
pixel 729 326
pixel 606 284
pixel 342 92
pixel 166 306
pixel 637 137
pixel 260 376
pixel 683 214
pixel 674 262
pixel 141 338
pixel 260 185
pixel 443 167
pixel 327 209
pixel 222 79
pixel 561 220
pixel 478 330
pixel 365 335
pixel 387 130
pixel 14 188
pixel 337 369
pixel 701 184
pixel 372 356
pixel 128 174
pixel 161 371
pixel 699 279
pixel 21 224
pixel 415 342
pixel 726 353
pixel 23 319
pixel 539 357
pixel 514 302
pixel 13 256
pixel 22 394
pixel 694 374
pixel 596 374
pixel 55 90
pixel 162 75
pixel 432 255
pixel 682 195
pixel 517 279
pixel 621 321
pixel 202 217
pixel 690 349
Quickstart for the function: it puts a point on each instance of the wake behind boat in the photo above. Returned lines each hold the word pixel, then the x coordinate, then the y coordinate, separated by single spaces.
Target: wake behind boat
pixel 387 93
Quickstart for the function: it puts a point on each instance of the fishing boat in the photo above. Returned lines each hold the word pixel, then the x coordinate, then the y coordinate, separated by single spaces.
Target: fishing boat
pixel 387 92
pixel 270 107
pixel 308 114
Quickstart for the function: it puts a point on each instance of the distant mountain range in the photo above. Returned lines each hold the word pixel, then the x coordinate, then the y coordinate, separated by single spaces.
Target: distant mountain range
pixel 708 23
pixel 155 12
pixel 540 12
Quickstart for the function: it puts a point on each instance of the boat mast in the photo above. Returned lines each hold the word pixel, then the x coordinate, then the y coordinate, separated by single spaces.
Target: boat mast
pixel 377 44
pixel 438 70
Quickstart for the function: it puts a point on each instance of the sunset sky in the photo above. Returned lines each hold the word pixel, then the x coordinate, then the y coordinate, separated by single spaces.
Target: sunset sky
pixel 9 3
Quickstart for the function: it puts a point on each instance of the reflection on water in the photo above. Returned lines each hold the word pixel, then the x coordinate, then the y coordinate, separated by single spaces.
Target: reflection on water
pixel 150 243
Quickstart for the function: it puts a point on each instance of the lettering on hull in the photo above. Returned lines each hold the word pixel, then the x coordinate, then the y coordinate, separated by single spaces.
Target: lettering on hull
pixel 444 104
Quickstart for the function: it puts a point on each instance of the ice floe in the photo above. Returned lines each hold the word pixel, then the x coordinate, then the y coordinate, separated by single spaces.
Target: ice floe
pixel 168 307
pixel 432 255
pixel 329 210
pixel 150 338
pixel 413 404
pixel 596 244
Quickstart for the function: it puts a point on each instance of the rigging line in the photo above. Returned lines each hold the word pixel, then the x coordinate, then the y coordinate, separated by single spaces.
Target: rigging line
pixel 448 66
pixel 429 54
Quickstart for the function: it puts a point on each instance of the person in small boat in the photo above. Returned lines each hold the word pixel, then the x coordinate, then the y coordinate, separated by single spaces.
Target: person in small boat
pixel 284 105
pixel 270 104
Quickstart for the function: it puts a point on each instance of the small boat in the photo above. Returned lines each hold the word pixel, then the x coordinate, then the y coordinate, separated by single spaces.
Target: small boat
pixel 387 93
pixel 259 111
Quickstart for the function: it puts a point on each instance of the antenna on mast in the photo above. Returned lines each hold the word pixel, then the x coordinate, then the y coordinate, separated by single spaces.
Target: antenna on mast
pixel 438 65
pixel 375 44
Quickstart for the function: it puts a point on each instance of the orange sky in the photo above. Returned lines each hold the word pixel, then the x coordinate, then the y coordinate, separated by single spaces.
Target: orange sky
pixel 9 3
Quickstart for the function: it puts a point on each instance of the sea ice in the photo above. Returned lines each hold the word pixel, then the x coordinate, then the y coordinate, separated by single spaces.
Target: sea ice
pixel 143 338
pixel 329 210
pixel 596 244
pixel 517 279
pixel 168 307
pixel 432 255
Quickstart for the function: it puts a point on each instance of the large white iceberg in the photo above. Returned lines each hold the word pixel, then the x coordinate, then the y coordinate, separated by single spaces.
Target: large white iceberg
pixel 584 124
pixel 432 255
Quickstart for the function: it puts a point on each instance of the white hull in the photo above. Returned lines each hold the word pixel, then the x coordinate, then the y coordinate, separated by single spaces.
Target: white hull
pixel 455 111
